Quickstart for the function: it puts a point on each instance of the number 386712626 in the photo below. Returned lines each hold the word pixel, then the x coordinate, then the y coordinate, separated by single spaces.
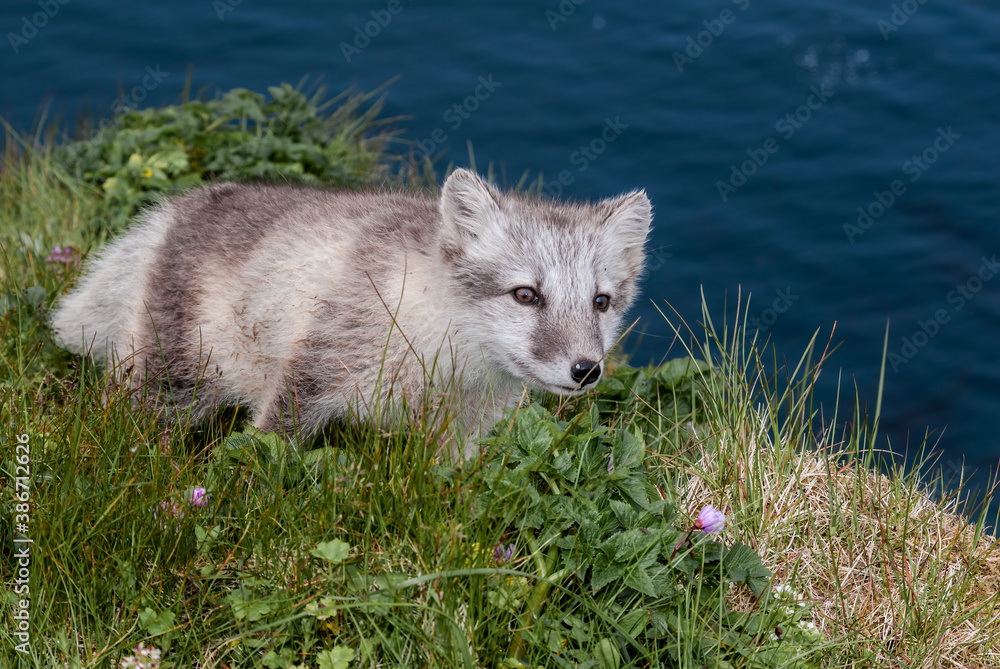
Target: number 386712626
pixel 21 473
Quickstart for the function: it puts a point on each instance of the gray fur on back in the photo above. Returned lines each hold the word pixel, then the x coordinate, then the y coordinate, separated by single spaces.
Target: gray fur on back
pixel 306 305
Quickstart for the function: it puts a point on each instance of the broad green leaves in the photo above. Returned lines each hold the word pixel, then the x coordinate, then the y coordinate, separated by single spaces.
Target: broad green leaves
pixel 626 578
pixel 332 551
pixel 140 154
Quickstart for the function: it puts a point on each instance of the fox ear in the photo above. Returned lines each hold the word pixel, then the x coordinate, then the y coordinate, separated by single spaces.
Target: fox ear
pixel 628 217
pixel 626 224
pixel 469 206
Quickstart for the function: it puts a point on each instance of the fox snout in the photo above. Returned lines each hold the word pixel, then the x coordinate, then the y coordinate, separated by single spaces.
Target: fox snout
pixel 586 372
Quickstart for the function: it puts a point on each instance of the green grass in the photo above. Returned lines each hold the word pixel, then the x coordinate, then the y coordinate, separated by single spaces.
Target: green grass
pixel 368 550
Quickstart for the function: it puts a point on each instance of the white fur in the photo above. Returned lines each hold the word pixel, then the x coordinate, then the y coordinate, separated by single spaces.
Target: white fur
pixel 327 304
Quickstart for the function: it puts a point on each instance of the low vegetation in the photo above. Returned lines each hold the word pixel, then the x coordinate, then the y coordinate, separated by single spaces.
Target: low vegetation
pixel 698 514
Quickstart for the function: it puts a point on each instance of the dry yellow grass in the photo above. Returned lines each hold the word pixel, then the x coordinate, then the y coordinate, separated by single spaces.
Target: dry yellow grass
pixel 896 578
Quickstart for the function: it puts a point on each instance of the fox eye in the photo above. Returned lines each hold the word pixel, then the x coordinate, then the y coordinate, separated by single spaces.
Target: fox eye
pixel 602 302
pixel 525 295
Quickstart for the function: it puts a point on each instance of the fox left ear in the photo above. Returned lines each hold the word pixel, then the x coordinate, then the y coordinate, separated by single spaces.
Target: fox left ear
pixel 470 207
pixel 627 221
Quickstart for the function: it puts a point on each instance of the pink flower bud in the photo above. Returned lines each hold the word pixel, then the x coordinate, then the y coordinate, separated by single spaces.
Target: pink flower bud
pixel 710 520
pixel 199 497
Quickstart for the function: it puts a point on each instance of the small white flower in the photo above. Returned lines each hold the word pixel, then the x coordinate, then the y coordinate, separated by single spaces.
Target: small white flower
pixel 146 657
pixel 783 589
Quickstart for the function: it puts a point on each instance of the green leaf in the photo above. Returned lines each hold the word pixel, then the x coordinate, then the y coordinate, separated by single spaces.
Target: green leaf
pixel 513 663
pixel 332 551
pixel 391 580
pixel 607 654
pixel 278 660
pixel 504 598
pixel 605 570
pixel 636 489
pixel 635 622
pixel 320 456
pixel 205 538
pixel 637 579
pixel 625 513
pixel 629 452
pixel 35 295
pixel 680 368
pixel 246 608
pixel 338 657
pixel 743 565
pixel 156 624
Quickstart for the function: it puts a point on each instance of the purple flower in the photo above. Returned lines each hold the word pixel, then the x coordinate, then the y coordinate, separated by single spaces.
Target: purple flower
pixel 170 509
pixel 199 497
pixel 501 555
pixel 710 520
pixel 63 256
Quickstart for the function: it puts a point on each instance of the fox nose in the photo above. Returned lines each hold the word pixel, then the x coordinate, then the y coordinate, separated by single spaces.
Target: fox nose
pixel 586 372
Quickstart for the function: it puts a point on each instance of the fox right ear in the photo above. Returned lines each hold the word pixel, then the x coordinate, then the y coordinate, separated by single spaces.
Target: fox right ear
pixel 626 224
pixel 629 217
pixel 470 207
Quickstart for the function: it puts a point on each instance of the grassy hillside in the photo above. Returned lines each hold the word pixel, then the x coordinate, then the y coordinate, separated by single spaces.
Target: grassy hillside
pixel 581 538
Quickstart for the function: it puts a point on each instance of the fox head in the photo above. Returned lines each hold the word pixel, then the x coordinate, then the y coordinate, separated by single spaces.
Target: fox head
pixel 543 286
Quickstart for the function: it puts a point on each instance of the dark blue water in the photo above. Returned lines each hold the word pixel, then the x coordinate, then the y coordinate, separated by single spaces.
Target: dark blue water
pixel 893 108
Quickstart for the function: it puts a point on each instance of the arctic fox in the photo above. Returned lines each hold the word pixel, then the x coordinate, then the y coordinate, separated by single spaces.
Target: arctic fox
pixel 306 305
